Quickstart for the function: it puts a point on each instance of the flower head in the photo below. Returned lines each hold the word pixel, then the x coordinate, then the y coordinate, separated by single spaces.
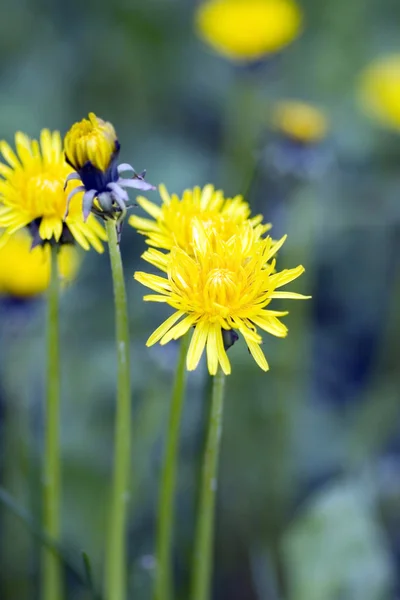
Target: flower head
pixel 92 141
pixel 92 149
pixel 298 150
pixel 379 91
pixel 32 194
pixel 226 285
pixel 247 30
pixel 25 273
pixel 172 224
pixel 300 121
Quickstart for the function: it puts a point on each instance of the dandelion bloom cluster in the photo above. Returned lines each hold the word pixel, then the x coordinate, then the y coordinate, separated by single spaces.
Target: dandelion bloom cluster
pixel 379 90
pixel 247 30
pixel 25 272
pixel 32 194
pixel 171 223
pixel 300 121
pixel 224 285
pixel 92 149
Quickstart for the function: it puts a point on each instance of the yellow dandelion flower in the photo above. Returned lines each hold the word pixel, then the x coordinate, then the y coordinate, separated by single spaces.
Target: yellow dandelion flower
pixel 247 30
pixel 225 285
pixel 92 149
pixel 172 221
pixel 26 273
pixel 379 90
pixel 32 194
pixel 300 121
pixel 91 140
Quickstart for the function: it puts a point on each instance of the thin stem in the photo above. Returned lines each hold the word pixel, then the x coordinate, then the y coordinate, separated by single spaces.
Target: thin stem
pixel 51 566
pixel 241 126
pixel 202 564
pixel 116 562
pixel 163 589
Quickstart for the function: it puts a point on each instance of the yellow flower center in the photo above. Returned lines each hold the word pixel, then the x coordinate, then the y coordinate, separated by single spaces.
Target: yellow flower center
pixel 248 29
pixel 220 282
pixel 45 195
pixel 41 194
pixel 220 291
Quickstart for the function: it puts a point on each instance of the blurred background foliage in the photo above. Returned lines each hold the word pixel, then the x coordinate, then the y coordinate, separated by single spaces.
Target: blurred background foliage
pixel 309 496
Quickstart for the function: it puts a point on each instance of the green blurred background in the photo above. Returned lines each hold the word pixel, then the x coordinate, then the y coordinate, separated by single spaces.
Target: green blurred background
pixel 309 495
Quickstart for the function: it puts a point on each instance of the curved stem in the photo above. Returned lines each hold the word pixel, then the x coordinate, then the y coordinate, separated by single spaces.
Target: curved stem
pixel 51 566
pixel 202 563
pixel 163 589
pixel 116 568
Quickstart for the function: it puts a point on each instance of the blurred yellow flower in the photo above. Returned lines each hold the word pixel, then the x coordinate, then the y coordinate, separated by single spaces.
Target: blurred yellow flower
pixel 172 224
pixel 25 272
pixel 32 194
pixel 225 285
pixel 300 121
pixel 379 90
pixel 247 30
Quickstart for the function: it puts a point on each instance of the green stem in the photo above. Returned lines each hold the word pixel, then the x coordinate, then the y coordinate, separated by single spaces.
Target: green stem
pixel 241 133
pixel 202 564
pixel 116 562
pixel 51 567
pixel 163 589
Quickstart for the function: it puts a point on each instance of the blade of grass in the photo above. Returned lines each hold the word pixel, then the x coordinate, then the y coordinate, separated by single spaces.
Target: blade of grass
pixel 8 501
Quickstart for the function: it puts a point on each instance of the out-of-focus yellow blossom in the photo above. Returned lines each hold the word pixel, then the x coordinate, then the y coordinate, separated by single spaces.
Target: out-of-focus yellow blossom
pixel 25 272
pixel 247 30
pixel 300 121
pixel 379 90
pixel 223 286
pixel 172 221
pixel 32 194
